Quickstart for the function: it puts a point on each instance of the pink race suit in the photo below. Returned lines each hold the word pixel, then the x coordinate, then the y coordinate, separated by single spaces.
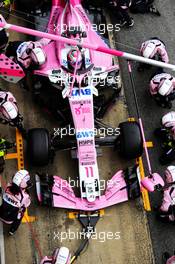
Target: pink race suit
pixel 22 55
pixel 171 260
pixel 13 207
pixel 167 208
pixel 159 49
pixel 7 102
pixel 155 81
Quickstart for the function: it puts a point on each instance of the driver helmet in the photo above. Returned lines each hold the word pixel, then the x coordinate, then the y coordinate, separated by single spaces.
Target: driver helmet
pixel 74 56
pixel 148 50
pixel 38 56
pixel 21 179
pixel 170 174
pixel 165 87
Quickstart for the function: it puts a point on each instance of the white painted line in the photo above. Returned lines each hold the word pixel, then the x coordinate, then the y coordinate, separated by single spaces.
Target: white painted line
pixel 2 250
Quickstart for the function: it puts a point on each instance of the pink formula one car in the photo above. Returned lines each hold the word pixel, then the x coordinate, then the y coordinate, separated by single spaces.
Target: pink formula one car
pixel 79 72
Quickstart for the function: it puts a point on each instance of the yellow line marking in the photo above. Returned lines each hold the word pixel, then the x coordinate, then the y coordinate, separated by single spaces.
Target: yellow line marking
pixel 131 119
pixel 11 156
pixel 28 219
pixel 102 212
pixel 145 195
pixel 72 215
pixel 149 144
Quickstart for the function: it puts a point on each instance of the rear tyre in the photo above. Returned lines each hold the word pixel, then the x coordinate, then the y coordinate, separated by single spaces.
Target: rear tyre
pixel 38 146
pixel 130 141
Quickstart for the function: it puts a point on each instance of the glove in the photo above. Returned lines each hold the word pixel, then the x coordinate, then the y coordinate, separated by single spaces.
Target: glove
pixel 2 20
pixel 152 9
pixel 4 36
pixel 9 145
pixel 171 96
pixel 12 145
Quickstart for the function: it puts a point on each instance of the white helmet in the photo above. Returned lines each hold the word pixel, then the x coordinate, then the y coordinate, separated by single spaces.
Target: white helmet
pixel 165 87
pixel 63 256
pixel 38 56
pixel 170 174
pixel 9 110
pixel 21 178
pixel 148 50
pixel 168 120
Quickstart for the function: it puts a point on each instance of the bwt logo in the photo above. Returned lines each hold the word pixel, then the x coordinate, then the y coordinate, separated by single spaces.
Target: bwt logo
pixel 77 92
pixel 84 134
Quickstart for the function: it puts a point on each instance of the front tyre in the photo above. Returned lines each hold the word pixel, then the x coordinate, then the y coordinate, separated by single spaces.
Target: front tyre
pixel 130 141
pixel 38 146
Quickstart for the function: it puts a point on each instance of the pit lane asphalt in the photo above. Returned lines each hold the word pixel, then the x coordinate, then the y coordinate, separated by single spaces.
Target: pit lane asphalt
pixel 147 26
